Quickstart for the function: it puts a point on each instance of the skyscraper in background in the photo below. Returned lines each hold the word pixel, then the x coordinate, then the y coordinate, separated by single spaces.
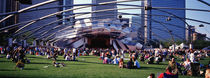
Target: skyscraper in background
pixel 66 14
pixel 40 13
pixel 110 14
pixel 155 29
pixel 137 28
pixel 37 14
pixel 8 6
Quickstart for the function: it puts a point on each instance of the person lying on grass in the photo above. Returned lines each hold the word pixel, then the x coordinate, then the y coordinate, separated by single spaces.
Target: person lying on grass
pixel 56 64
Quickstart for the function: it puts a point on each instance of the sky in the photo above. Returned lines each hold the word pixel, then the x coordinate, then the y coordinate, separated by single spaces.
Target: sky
pixel 203 16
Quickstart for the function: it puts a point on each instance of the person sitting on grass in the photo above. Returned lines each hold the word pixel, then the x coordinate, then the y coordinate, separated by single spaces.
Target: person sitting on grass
pixel 102 56
pixel 187 66
pixel 37 53
pixel 151 60
pixel 168 73
pixel 121 63
pixel 136 64
pixel 105 61
pixel 115 60
pixel 171 56
pixel 20 65
pixel 142 58
pixel 147 56
pixel 152 75
pixel 55 56
pixel 27 60
pixel 159 59
pixel 74 57
pixel 68 58
pixel 48 54
pixel 174 66
pixel 130 64
pixel 8 56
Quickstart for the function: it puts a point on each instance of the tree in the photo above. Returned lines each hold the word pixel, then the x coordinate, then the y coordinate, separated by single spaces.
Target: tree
pixel 200 44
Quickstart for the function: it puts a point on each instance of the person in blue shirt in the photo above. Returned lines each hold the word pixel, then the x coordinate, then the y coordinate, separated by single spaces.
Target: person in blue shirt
pixel 136 64
pixel 115 61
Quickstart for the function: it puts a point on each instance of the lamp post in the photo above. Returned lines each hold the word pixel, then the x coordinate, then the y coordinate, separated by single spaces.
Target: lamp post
pixel 190 38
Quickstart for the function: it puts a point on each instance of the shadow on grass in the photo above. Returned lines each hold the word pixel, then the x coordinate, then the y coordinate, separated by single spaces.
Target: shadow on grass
pixel 60 60
pixel 146 68
pixel 7 70
pixel 9 76
pixel 6 61
pixel 93 62
pixel 160 64
pixel 2 56
pixel 37 63
pixel 78 64
pixel 30 69
pixel 18 69
pixel 89 62
pixel 87 57
pixel 37 57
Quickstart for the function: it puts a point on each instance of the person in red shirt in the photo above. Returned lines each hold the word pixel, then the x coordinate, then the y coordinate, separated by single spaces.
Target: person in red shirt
pixel 168 73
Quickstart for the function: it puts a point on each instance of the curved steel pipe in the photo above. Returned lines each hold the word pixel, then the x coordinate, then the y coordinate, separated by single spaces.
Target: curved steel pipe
pixel 27 8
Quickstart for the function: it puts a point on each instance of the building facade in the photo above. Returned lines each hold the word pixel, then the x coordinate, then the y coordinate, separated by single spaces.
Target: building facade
pixel 159 28
pixel 9 6
pixel 110 14
pixel 137 28
pixel 40 13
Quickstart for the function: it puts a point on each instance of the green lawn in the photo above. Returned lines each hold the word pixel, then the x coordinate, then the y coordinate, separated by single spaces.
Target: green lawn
pixel 87 66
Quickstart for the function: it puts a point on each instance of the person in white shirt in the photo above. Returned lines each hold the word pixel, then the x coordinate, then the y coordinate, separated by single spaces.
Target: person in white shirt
pixel 192 57
pixel 8 56
pixel 186 64
pixel 115 60
pixel 156 53
pixel 74 50
pixel 122 53
pixel 68 58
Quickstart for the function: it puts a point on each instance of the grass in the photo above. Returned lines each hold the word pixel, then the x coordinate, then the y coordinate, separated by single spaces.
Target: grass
pixel 86 67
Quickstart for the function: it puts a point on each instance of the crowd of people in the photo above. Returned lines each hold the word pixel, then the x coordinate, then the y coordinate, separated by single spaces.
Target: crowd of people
pixel 187 66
